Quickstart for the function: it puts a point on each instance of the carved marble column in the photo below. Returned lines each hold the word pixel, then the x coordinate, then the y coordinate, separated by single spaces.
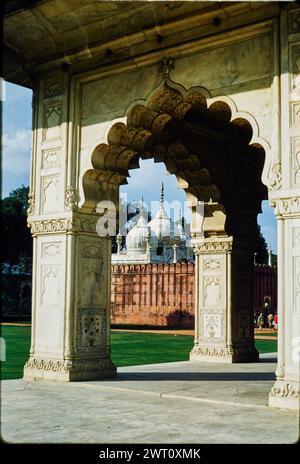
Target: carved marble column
pixel 286 391
pixel 285 198
pixel 224 329
pixel 71 263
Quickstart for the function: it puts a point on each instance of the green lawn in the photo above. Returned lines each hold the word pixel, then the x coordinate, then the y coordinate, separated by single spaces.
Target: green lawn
pixel 128 349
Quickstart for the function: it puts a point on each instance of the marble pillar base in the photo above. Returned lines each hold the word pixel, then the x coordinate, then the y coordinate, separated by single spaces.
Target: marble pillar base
pixel 224 355
pixel 69 370
pixel 285 395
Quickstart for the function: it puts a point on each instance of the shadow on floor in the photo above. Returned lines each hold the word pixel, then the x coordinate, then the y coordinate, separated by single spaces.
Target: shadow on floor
pixel 268 360
pixel 196 376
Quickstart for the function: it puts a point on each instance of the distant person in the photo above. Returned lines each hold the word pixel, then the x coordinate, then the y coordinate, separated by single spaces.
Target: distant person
pixel 260 321
pixel 266 312
pixel 270 320
pixel 276 321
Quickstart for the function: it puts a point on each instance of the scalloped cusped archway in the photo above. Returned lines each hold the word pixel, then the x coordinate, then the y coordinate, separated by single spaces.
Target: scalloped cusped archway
pixel 210 152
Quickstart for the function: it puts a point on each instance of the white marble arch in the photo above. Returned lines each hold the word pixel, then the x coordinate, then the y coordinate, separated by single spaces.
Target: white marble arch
pixel 241 68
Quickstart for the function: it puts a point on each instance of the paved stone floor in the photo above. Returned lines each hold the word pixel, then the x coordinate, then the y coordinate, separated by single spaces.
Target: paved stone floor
pixel 183 402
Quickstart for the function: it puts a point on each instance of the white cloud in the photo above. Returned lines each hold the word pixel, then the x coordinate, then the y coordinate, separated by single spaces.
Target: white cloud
pixel 16 149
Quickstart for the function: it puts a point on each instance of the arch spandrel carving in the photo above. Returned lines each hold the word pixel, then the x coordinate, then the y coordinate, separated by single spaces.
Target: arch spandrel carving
pixel 203 141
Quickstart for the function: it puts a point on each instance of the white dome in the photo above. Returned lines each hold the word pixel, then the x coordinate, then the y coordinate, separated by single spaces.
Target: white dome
pixel 161 226
pixel 136 240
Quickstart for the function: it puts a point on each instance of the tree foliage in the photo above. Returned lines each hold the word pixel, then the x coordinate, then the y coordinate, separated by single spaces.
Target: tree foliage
pixel 16 243
pixel 261 248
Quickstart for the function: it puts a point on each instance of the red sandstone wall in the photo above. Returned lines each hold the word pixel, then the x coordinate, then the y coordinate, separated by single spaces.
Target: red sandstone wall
pixel 163 294
pixel 153 294
pixel 265 285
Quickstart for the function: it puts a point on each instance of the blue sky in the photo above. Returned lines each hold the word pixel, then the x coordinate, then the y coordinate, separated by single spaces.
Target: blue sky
pixel 146 181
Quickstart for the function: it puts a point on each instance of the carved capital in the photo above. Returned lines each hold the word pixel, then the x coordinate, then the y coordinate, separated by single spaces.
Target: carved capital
pixel 49 226
pixel 285 207
pixel 77 223
pixel 212 247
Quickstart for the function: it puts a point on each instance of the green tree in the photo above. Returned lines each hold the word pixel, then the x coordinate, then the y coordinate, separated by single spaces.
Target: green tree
pixel 261 248
pixel 16 203
pixel 16 238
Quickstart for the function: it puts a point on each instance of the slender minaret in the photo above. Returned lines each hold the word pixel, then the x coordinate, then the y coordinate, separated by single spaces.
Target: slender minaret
pixel 270 256
pixel 175 253
pixel 142 206
pixel 119 243
pixel 148 245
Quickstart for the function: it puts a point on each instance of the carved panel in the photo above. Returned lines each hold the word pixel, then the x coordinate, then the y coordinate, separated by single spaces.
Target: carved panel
pixel 50 289
pixel 51 159
pixel 296 291
pixel 92 276
pixel 91 330
pixel 295 70
pixel 206 247
pixel 296 237
pixel 295 113
pixel 212 325
pixel 212 292
pixel 211 264
pixel 53 87
pixel 295 153
pixel 51 249
pixel 52 121
pixel 294 21
pixel 50 193
pixel 91 250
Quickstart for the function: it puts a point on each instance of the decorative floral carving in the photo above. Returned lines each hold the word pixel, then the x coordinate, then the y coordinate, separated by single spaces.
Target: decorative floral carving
pixel 91 250
pixel 165 66
pixel 212 326
pixel 223 352
pixel 67 365
pixel 206 247
pixel 212 264
pixel 53 365
pixel 51 249
pixel 88 225
pixel 78 223
pixel 51 159
pixel 275 177
pixel 31 203
pixel 70 197
pixel 285 389
pixel 50 226
pixel 286 206
pixel 91 330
